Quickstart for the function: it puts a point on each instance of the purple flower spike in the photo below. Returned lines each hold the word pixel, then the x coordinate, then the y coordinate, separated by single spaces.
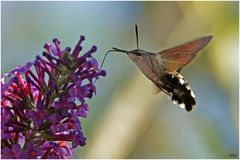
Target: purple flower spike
pixel 41 107
pixel 12 153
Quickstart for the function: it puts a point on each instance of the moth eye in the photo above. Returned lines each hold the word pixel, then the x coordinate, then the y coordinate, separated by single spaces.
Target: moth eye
pixel 138 53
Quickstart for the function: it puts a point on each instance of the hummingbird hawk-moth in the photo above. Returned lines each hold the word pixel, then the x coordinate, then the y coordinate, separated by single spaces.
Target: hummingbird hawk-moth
pixel 163 68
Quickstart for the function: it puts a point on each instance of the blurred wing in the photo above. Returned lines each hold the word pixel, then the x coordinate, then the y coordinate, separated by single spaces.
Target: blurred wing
pixel 175 58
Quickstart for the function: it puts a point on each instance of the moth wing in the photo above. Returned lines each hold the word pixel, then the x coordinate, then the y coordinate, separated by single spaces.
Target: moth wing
pixel 175 58
pixel 155 89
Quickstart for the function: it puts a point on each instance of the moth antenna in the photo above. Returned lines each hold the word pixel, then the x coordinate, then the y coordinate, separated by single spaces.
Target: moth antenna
pixel 136 30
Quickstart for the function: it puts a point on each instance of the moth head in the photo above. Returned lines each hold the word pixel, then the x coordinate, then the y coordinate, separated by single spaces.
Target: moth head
pixel 134 55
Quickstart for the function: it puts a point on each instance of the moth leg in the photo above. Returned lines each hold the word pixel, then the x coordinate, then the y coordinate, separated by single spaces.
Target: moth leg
pixel 165 91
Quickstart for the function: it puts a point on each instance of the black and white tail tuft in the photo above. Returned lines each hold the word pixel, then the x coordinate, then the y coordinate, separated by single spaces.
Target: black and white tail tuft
pixel 179 90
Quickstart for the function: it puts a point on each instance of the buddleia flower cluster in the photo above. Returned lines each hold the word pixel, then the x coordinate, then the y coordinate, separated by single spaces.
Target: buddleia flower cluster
pixel 41 103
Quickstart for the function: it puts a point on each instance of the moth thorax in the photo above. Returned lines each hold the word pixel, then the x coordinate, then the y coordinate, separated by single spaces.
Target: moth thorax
pixel 180 91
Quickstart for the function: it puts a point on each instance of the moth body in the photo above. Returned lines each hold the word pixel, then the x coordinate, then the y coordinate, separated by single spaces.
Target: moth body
pixel 163 68
pixel 173 84
pixel 147 63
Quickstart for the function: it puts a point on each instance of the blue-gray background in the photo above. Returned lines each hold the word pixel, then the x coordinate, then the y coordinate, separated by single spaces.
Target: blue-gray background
pixel 123 122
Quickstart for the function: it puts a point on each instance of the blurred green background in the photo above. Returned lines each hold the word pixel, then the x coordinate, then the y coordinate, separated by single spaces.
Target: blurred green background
pixel 125 119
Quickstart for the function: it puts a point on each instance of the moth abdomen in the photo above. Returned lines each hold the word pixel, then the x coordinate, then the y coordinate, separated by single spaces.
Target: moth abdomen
pixel 179 90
